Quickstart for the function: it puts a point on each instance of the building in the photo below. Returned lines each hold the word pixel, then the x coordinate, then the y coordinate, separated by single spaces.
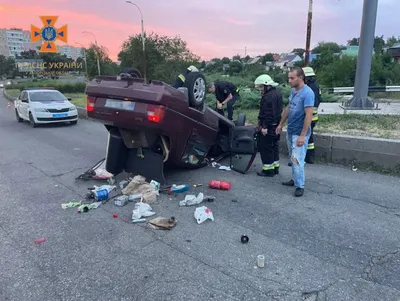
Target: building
pixel 395 52
pixel 71 52
pixel 14 41
pixel 288 60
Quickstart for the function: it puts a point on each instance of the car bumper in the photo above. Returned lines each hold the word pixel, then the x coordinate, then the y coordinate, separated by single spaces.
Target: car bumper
pixel 45 117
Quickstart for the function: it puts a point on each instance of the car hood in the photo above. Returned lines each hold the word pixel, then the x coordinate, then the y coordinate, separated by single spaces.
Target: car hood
pixel 52 104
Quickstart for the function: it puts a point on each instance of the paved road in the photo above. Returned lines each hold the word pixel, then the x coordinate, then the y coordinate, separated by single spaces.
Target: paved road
pixel 339 242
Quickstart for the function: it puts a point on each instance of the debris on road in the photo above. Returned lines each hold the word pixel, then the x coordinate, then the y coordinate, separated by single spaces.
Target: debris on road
pixel 97 172
pixel 191 200
pixel 202 214
pixel 197 185
pixel 70 205
pixel 102 193
pixel 139 185
pixel 163 223
pixel 86 207
pixel 40 240
pixel 244 239
pixel 142 210
pixel 222 185
pixel 220 167
pixel 123 184
pixel 260 261
pixel 178 188
pixel 121 201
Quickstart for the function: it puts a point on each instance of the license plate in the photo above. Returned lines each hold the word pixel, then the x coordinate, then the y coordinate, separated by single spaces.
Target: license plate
pixel 60 115
pixel 120 104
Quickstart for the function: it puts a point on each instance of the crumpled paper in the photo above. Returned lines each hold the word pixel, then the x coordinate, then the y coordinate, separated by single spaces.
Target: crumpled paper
pixel 202 214
pixel 139 185
pixel 142 210
pixel 191 200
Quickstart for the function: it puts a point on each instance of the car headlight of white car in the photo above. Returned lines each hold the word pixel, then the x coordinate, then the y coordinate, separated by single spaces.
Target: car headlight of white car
pixel 72 108
pixel 40 110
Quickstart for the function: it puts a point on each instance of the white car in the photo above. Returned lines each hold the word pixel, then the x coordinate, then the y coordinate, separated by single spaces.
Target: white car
pixel 39 106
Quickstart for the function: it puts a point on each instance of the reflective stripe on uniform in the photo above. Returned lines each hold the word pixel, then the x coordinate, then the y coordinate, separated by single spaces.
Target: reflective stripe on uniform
pixel 276 164
pixel 311 146
pixel 181 77
pixel 268 167
pixel 237 90
pixel 315 114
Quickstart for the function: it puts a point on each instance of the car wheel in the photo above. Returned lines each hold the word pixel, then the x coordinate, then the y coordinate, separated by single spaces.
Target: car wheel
pixel 19 119
pixel 135 73
pixel 74 122
pixel 32 121
pixel 241 120
pixel 196 85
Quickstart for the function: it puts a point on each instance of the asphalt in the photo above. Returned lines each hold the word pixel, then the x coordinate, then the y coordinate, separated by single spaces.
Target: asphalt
pixel 340 241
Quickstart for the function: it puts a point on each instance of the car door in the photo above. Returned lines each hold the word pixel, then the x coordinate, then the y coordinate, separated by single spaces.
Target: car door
pixel 243 147
pixel 24 105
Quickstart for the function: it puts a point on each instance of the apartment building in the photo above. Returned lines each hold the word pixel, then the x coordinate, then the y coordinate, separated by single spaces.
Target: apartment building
pixel 71 52
pixel 14 41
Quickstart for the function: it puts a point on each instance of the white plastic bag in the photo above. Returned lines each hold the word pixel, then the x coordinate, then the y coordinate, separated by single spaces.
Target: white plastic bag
pixel 191 200
pixel 203 213
pixel 142 210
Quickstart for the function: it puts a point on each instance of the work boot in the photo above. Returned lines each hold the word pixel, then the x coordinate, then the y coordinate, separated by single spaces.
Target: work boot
pixel 276 170
pixel 299 192
pixel 288 183
pixel 266 173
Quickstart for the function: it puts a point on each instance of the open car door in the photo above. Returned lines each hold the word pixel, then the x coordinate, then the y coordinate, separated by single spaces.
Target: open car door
pixel 243 147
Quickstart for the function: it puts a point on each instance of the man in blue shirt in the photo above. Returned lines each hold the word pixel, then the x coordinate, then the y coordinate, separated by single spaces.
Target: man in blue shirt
pixel 299 115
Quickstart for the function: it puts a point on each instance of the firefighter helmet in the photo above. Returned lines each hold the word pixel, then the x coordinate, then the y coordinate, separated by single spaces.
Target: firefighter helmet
pixel 266 80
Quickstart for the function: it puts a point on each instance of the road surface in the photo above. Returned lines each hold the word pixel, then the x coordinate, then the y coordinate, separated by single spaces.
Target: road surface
pixel 341 241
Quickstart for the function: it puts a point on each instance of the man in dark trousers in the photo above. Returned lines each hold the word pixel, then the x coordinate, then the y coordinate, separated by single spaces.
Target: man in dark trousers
pixel 269 117
pixel 181 78
pixel 226 94
pixel 312 83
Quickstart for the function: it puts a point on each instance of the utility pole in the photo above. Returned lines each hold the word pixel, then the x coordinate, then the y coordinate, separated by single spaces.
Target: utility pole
pixel 308 38
pixel 97 50
pixel 245 51
pixel 367 37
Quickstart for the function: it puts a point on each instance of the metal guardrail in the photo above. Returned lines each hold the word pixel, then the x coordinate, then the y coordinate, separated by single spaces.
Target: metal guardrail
pixel 370 89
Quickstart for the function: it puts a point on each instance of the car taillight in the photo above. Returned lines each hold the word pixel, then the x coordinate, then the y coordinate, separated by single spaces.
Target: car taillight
pixel 90 100
pixel 155 113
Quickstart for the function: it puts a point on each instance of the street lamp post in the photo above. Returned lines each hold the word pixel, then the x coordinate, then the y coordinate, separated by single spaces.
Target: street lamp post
pixel 84 58
pixel 95 41
pixel 143 41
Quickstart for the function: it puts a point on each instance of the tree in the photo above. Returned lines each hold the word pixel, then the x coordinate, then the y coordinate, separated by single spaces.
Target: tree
pixel 299 51
pixel 236 57
pixel 107 66
pixel 379 43
pixel 331 47
pixel 235 67
pixel 353 42
pixel 225 60
pixel 165 56
pixel 391 41
pixel 268 57
pixel 7 66
pixel 29 54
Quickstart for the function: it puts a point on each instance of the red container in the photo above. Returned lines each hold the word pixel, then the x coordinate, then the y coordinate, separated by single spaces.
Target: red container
pixel 219 185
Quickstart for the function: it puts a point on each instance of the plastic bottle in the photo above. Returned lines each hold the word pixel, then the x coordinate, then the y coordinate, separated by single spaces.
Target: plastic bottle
pixel 178 188
pixel 214 184
pixel 40 240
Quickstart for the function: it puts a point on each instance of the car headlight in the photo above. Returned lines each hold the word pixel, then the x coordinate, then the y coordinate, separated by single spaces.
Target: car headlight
pixel 72 108
pixel 40 110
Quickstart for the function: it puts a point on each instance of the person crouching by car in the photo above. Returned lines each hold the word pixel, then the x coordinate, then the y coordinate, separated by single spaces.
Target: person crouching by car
pixel 227 94
pixel 269 117
pixel 181 78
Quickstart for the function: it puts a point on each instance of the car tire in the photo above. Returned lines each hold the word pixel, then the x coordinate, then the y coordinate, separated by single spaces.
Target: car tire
pixel 19 119
pixel 196 85
pixel 135 73
pixel 241 120
pixel 32 121
pixel 73 122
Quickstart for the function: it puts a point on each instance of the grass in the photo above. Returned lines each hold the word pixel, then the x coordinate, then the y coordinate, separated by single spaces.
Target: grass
pixel 78 99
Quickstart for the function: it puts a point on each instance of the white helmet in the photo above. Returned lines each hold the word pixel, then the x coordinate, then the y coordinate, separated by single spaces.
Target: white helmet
pixel 193 69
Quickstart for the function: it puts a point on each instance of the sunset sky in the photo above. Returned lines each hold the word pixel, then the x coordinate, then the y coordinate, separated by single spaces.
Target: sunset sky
pixel 211 28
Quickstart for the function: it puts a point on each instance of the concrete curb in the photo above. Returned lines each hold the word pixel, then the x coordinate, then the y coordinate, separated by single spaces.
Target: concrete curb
pixel 81 111
pixel 362 152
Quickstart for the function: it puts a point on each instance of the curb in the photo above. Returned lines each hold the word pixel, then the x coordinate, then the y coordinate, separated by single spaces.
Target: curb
pixel 360 152
pixel 81 111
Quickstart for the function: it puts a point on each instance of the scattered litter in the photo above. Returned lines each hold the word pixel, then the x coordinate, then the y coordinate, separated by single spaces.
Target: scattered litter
pixel 134 197
pixel 163 223
pixel 86 207
pixel 142 210
pixel 98 172
pixel 208 198
pixel 123 184
pixel 139 185
pixel 40 240
pixel 139 220
pixel 234 201
pixel 353 168
pixel 260 261
pixel 244 239
pixel 156 187
pixel 102 193
pixel 70 205
pixel 178 188
pixel 203 213
pixel 197 185
pixel 115 215
pixel 222 167
pixel 121 200
pixel 215 164
pixel 219 185
pixel 191 200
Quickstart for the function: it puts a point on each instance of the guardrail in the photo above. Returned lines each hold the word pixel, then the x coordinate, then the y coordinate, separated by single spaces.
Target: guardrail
pixel 370 89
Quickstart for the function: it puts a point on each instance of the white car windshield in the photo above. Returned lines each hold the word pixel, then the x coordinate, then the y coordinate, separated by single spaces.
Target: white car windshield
pixel 46 96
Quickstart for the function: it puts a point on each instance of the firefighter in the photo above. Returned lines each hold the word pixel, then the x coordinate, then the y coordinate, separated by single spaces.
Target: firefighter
pixel 269 117
pixel 311 82
pixel 181 78
pixel 225 93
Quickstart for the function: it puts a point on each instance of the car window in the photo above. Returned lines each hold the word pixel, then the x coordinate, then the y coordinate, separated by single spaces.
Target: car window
pixel 46 96
pixel 24 96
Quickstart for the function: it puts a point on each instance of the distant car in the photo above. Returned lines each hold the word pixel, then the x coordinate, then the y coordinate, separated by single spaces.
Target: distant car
pixel 1 85
pixel 152 124
pixel 39 106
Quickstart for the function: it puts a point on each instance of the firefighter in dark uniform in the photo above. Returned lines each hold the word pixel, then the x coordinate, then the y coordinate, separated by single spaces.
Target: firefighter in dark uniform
pixel 269 117
pixel 311 82
pixel 227 94
pixel 181 78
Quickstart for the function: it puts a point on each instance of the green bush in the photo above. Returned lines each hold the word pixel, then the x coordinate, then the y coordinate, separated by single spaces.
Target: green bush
pixel 62 87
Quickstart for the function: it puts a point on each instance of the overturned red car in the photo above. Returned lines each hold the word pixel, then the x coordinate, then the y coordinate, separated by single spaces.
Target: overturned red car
pixel 152 124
